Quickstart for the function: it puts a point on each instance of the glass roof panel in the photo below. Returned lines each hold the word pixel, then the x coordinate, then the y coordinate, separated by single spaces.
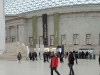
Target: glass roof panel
pixel 22 6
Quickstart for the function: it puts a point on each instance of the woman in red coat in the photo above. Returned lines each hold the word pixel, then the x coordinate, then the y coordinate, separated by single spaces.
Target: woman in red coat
pixel 54 63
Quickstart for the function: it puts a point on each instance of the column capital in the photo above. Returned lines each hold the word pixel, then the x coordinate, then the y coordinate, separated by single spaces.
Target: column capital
pixel 7 27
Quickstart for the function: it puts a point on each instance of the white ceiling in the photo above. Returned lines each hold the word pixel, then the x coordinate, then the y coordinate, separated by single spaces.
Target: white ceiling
pixel 22 6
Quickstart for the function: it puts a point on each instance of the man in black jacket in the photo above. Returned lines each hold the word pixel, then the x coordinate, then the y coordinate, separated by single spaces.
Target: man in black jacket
pixel 71 63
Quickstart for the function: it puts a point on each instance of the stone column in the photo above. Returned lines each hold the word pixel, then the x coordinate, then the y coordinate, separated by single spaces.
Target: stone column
pixel 21 34
pixel 2 27
pixel 8 34
pixel 16 32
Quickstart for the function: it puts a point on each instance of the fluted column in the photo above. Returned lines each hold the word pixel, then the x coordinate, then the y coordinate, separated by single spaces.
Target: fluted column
pixel 8 34
pixel 16 32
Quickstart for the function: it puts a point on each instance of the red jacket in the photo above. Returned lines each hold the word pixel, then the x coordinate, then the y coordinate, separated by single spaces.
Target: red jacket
pixel 54 62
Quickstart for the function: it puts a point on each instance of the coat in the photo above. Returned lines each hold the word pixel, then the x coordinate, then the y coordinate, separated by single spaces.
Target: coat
pixel 19 57
pixel 99 59
pixel 54 62
pixel 71 59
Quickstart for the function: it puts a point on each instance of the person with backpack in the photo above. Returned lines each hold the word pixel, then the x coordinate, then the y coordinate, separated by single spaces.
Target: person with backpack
pixel 54 63
pixel 19 57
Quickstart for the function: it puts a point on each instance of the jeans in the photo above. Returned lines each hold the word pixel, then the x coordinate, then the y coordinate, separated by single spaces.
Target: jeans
pixel 55 68
pixel 71 69
pixel 86 57
pixel 19 61
pixel 76 61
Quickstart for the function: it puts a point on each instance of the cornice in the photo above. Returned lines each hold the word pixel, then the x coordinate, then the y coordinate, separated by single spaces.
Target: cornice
pixel 19 18
pixel 63 13
pixel 62 10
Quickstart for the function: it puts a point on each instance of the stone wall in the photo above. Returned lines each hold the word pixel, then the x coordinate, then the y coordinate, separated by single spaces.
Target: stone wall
pixel 72 20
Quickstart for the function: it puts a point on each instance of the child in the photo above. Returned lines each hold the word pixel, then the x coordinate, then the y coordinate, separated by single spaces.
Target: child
pixel 99 59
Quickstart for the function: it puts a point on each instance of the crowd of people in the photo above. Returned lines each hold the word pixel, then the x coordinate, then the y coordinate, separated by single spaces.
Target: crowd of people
pixel 46 56
pixel 33 56
pixel 54 59
pixel 84 55
pixel 59 55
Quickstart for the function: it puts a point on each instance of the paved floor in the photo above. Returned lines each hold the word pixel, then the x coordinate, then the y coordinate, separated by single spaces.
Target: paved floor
pixel 85 67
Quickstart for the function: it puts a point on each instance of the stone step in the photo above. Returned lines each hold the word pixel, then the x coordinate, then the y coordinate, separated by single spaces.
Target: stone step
pixel 12 50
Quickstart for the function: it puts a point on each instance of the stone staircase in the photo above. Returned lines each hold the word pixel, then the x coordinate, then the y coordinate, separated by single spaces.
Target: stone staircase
pixel 12 50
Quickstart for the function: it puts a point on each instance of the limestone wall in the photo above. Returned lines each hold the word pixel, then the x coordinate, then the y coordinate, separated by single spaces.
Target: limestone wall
pixel 79 20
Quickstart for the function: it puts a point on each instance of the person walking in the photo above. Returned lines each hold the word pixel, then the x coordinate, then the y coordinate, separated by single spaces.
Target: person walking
pixel 44 56
pixel 35 55
pixel 99 59
pixel 39 55
pixel 54 63
pixel 71 63
pixel 65 55
pixel 47 56
pixel 76 57
pixel 30 55
pixel 61 57
pixel 19 57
